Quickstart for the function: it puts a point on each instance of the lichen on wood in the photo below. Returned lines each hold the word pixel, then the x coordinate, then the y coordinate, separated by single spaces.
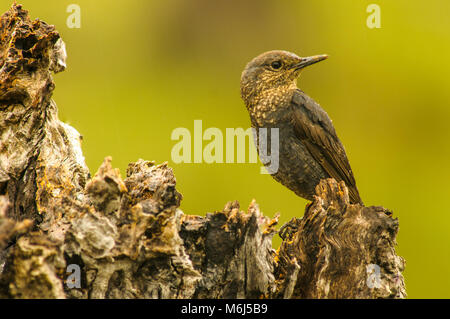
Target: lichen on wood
pixel 129 237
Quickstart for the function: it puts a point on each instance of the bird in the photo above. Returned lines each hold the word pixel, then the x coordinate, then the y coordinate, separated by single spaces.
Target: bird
pixel 309 149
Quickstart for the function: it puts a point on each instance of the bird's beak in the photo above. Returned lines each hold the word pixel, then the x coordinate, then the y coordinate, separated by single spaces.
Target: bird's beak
pixel 309 60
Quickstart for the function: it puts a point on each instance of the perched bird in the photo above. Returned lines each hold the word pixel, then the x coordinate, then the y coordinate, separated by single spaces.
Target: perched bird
pixel 309 149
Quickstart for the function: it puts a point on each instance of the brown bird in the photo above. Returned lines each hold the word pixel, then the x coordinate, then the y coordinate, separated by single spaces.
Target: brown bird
pixel 309 149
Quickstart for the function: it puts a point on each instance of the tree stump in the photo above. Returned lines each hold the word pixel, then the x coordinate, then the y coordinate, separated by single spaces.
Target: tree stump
pixel 129 239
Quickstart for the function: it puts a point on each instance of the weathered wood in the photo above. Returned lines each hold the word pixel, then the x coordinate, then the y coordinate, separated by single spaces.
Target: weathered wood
pixel 128 236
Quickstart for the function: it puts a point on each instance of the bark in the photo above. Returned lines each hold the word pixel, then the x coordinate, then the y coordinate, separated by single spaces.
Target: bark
pixel 128 236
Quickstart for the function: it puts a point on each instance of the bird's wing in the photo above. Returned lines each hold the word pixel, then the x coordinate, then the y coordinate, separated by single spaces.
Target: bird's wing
pixel 314 128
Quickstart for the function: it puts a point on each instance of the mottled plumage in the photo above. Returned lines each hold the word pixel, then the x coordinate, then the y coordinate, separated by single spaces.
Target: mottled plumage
pixel 309 149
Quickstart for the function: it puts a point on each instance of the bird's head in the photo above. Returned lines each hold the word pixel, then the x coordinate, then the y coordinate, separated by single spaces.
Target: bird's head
pixel 273 69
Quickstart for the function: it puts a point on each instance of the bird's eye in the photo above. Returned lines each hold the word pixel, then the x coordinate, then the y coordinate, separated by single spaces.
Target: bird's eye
pixel 276 65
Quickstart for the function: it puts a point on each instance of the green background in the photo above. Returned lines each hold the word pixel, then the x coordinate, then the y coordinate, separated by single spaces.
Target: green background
pixel 139 69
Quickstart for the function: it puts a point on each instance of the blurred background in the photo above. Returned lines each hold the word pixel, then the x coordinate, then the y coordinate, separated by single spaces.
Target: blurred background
pixel 138 69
